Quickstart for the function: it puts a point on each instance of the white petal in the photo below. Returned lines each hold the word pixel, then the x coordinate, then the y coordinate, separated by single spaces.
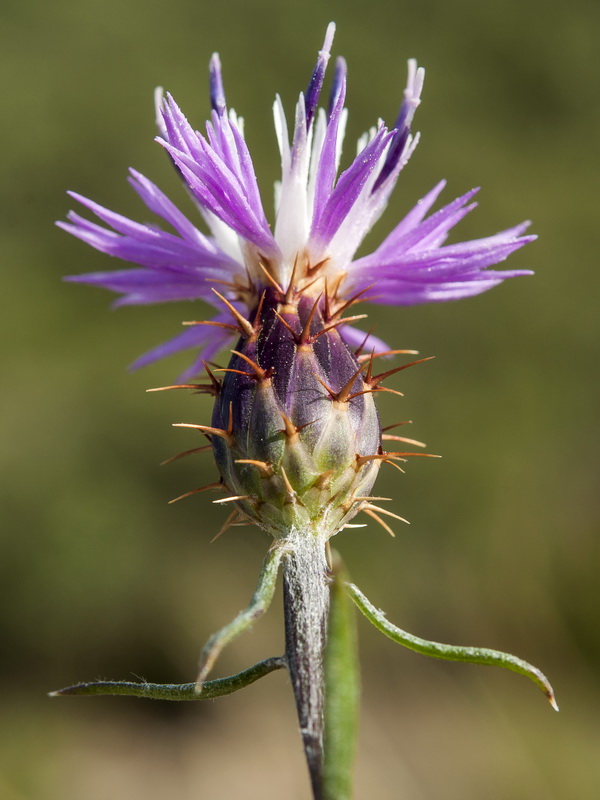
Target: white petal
pixel 281 131
pixel 317 146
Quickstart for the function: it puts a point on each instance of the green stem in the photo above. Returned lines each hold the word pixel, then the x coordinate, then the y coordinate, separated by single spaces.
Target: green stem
pixel 342 689
pixel 470 655
pixel 174 691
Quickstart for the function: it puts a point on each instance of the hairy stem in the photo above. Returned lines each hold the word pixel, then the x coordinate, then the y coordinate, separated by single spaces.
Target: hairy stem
pixel 306 607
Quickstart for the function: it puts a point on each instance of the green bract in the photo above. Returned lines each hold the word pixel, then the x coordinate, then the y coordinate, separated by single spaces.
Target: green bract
pixel 295 431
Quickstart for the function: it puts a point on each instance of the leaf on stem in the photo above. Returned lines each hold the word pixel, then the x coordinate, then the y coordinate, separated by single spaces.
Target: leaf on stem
pixel 259 604
pixel 177 691
pixel 469 655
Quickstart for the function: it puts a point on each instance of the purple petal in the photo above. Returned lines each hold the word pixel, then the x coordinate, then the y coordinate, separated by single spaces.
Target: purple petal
pixel 403 237
pixel 326 169
pixel 217 94
pixel 404 293
pixel 209 350
pixel 219 172
pixel 430 265
pixel 210 339
pixel 339 79
pixel 144 286
pixel 316 80
pixel 219 191
pixel 348 188
pixel 412 98
pixel 249 176
pixel 119 223
pixel 366 341
pixel 418 212
pixel 174 255
pixel 149 245
pixel 160 205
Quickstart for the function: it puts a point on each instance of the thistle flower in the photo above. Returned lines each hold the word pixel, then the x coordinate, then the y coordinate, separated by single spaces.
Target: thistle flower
pixel 295 431
pixel 294 422
pixel 321 220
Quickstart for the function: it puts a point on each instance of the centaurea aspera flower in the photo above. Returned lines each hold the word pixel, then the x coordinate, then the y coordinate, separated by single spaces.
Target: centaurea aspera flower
pixel 321 220
pixel 295 432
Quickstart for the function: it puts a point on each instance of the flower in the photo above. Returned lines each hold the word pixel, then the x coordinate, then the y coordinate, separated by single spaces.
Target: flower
pixel 295 431
pixel 321 220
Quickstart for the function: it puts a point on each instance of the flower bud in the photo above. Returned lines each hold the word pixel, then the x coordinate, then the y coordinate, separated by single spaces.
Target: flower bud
pixel 298 422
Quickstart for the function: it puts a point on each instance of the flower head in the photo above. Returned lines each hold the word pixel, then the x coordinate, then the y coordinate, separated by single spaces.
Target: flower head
pixel 322 216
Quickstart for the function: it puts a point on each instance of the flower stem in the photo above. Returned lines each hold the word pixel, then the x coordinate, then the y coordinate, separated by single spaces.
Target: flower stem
pixel 306 608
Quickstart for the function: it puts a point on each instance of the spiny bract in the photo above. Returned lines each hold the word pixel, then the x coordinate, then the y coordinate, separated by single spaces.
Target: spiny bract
pixel 295 430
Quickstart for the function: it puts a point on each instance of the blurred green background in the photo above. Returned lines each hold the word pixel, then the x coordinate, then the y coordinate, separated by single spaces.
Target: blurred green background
pixel 101 578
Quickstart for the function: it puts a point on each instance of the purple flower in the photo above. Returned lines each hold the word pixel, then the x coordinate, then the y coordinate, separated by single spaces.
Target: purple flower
pixel 321 219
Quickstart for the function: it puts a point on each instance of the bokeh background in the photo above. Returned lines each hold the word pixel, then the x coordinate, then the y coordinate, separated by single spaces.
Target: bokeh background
pixel 101 578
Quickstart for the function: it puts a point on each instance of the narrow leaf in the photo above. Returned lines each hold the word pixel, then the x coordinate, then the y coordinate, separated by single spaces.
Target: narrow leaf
pixel 260 602
pixel 469 655
pixel 177 691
